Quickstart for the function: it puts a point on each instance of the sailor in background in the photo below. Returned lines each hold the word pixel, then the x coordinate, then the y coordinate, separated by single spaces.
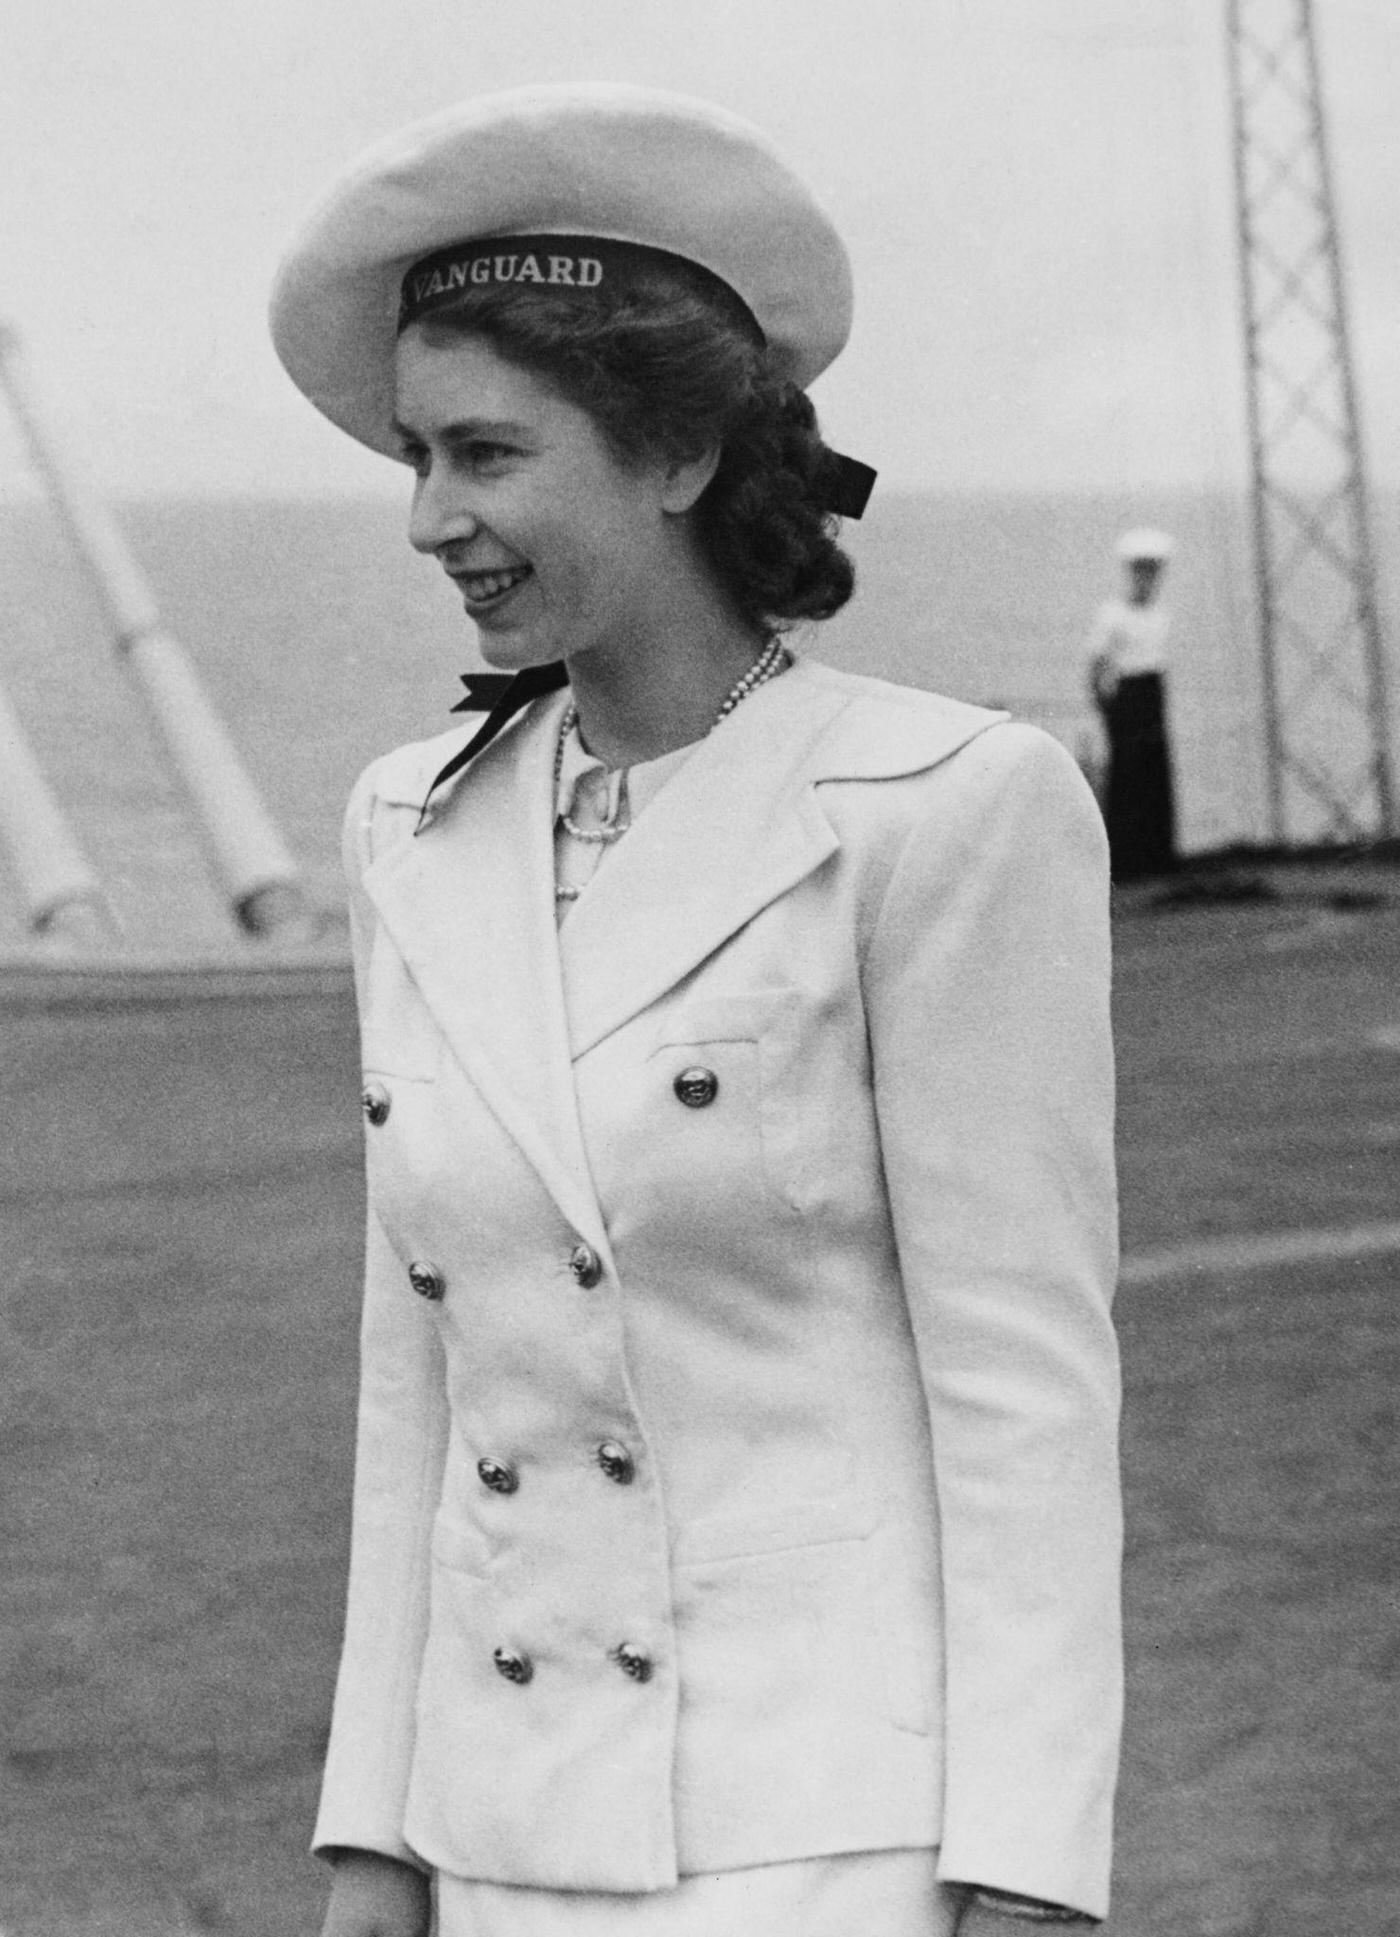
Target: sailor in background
pixel 736 1524
pixel 1127 681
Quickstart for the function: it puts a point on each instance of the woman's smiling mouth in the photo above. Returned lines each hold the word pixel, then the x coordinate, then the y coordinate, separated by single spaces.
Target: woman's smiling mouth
pixel 481 590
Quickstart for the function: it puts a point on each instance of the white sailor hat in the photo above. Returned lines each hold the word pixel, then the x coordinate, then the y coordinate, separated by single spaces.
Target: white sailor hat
pixel 559 181
pixel 1146 545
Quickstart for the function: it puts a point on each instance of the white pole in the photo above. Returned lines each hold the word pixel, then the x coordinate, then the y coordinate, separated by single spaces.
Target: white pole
pixel 60 890
pixel 245 848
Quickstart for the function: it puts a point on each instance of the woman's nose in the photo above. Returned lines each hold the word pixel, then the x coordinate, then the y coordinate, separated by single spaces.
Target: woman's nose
pixel 440 515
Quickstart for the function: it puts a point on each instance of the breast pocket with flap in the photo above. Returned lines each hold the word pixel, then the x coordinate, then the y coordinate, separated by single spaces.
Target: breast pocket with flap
pixel 732 1064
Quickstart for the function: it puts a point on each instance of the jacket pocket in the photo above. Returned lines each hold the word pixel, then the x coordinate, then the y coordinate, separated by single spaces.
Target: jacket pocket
pixel 744 1043
pixel 880 1632
pixel 796 1636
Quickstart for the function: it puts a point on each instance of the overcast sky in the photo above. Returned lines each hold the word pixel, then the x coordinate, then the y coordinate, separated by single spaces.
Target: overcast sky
pixel 1036 195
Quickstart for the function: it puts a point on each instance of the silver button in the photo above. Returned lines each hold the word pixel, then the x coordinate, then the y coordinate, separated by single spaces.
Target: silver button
pixel 616 1462
pixel 496 1475
pixel 586 1265
pixel 426 1279
pixel 512 1665
pixel 696 1087
pixel 374 1101
pixel 633 1661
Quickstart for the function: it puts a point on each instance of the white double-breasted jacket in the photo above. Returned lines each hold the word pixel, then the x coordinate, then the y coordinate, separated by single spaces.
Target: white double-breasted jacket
pixel 842 1326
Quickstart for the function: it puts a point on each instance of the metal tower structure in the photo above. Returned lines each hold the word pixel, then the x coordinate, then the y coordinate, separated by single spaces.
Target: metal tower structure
pixel 1327 720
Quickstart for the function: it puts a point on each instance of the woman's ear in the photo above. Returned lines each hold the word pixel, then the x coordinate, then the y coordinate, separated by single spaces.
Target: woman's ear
pixel 684 480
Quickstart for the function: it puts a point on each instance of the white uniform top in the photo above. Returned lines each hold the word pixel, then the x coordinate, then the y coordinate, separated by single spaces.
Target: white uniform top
pixel 1126 639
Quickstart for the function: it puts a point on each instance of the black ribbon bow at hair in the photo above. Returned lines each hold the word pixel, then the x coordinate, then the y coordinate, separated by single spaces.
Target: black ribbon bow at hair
pixel 845 486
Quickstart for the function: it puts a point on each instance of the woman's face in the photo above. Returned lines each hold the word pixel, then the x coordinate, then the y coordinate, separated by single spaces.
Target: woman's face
pixel 1144 576
pixel 555 546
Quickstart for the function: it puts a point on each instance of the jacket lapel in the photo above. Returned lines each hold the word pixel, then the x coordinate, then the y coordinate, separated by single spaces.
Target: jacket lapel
pixel 736 827
pixel 470 907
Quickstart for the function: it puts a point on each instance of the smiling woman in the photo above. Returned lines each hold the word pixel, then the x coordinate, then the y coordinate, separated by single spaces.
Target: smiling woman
pixel 736 1525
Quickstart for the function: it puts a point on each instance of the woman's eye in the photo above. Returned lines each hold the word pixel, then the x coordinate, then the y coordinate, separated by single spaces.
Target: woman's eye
pixel 484 456
pixel 481 454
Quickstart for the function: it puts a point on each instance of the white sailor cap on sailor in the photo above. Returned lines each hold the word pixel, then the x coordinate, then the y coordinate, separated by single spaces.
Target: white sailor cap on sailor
pixel 1143 544
pixel 549 186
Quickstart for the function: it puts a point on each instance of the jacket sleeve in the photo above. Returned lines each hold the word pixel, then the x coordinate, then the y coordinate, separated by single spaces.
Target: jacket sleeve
pixel 987 986
pixel 400 1446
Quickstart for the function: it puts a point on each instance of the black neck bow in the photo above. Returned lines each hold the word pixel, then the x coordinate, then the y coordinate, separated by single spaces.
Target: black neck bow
pixel 501 695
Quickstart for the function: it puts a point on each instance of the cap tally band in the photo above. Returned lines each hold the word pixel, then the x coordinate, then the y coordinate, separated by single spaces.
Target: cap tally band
pixel 551 262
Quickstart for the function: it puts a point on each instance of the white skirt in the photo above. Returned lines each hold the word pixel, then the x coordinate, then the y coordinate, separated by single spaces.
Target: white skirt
pixel 876 1893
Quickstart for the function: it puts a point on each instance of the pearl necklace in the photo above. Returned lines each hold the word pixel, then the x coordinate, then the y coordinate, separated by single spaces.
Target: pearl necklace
pixel 774 659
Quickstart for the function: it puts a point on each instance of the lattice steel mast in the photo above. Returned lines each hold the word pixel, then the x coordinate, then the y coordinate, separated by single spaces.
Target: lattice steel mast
pixel 1327 721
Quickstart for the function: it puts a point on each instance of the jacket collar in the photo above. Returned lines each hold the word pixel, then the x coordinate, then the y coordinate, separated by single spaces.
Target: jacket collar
pixel 735 828
pixel 469 904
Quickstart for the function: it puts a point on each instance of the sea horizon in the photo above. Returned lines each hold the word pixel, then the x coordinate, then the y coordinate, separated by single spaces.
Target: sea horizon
pixel 324 640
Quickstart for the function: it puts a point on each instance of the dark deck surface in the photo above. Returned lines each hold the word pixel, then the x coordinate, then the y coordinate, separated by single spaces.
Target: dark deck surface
pixel 181 1203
